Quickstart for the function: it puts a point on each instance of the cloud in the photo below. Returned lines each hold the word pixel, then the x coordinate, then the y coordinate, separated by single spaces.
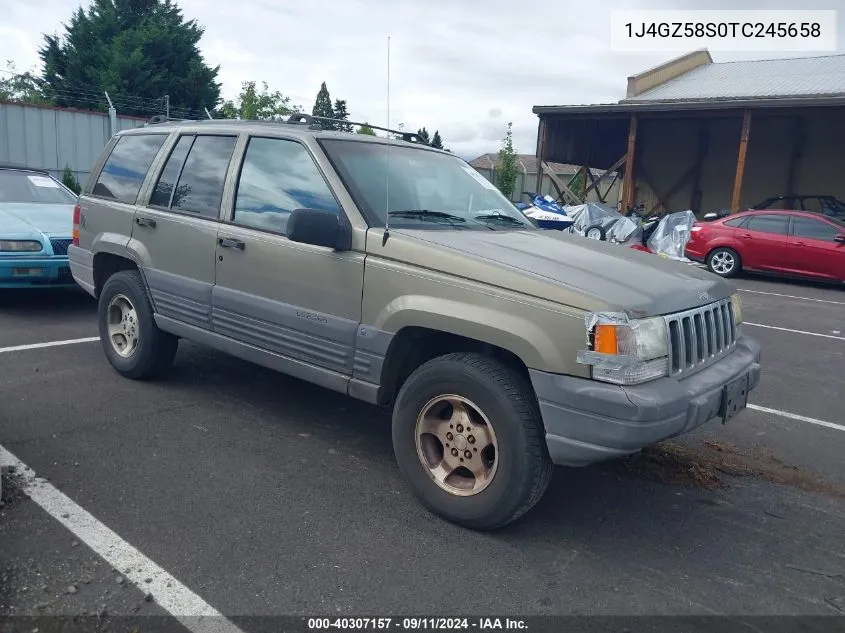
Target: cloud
pixel 462 68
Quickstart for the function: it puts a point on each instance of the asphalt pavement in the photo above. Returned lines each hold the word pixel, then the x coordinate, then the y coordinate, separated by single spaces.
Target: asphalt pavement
pixel 264 495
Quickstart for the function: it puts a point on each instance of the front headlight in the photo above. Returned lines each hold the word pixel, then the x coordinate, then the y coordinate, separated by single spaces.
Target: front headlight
pixel 625 351
pixel 20 246
pixel 736 308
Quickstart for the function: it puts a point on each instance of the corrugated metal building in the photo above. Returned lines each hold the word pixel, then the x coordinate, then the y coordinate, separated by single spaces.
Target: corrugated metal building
pixel 526 179
pixel 696 134
pixel 51 138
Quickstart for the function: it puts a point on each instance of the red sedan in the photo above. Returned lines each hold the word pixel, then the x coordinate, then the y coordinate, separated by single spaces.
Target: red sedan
pixel 786 243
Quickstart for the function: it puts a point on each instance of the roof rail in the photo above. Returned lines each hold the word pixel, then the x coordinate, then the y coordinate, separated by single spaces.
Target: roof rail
pixel 161 118
pixel 311 120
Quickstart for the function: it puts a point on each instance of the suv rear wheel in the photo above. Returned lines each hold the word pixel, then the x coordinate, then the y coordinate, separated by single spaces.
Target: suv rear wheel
pixel 134 345
pixel 469 438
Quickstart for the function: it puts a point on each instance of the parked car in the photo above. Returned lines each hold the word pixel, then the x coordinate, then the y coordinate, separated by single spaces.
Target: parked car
pixel 36 222
pixel 824 204
pixel 786 243
pixel 405 279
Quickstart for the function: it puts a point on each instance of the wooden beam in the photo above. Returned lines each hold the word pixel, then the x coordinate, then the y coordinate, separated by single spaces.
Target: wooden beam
pixel 562 188
pixel 542 139
pixel 612 170
pixel 613 180
pixel 740 161
pixel 799 135
pixel 628 181
pixel 700 157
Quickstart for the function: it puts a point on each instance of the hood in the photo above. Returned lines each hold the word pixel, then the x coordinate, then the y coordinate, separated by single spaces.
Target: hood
pixel 20 219
pixel 568 269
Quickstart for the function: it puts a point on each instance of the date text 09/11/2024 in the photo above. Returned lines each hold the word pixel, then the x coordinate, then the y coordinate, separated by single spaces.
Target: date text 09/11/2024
pixel 482 625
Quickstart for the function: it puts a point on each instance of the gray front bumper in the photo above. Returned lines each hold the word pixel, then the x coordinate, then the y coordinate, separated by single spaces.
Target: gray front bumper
pixel 589 421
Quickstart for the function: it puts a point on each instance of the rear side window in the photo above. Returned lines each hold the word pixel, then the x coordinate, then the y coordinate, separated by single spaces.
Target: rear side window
pixel 735 221
pixel 813 229
pixel 127 166
pixel 776 224
pixel 193 177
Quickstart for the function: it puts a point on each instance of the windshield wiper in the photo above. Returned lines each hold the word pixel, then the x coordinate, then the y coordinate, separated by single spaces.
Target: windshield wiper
pixel 426 213
pixel 498 216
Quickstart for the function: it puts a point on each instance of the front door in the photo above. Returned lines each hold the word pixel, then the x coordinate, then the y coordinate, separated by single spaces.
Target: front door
pixel 296 300
pixel 813 251
pixel 762 242
pixel 175 233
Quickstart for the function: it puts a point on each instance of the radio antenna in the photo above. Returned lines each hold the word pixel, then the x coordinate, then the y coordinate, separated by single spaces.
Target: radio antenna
pixel 387 178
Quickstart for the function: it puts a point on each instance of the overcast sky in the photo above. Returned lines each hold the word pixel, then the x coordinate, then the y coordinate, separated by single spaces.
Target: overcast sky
pixel 465 67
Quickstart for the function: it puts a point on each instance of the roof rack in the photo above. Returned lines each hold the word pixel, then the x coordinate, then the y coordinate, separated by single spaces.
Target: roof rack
pixel 311 121
pixel 161 118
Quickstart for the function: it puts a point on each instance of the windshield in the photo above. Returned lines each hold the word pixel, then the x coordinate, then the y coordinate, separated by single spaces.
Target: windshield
pixel 426 189
pixel 32 187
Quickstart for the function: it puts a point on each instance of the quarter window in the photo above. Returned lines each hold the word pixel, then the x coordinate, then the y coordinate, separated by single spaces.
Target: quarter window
pixel 813 229
pixel 126 167
pixel 736 221
pixel 277 177
pixel 193 177
pixel 777 224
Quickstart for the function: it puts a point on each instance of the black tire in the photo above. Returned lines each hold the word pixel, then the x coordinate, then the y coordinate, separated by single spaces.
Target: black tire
pixel 717 262
pixel 596 228
pixel 524 468
pixel 155 349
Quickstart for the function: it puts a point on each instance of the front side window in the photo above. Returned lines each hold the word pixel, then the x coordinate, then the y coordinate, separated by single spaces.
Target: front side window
pixel 193 177
pixel 277 177
pixel 814 229
pixel 777 224
pixel 32 187
pixel 735 222
pixel 420 188
pixel 127 166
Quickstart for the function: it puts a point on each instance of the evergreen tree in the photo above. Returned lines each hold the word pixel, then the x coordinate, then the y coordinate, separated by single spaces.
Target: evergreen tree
pixel 138 51
pixel 69 180
pixel 366 129
pixel 436 141
pixel 341 113
pixel 423 134
pixel 507 170
pixel 323 107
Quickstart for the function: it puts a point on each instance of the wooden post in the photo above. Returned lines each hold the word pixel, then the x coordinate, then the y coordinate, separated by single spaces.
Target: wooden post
pixel 628 180
pixel 795 158
pixel 740 161
pixel 542 136
pixel 700 156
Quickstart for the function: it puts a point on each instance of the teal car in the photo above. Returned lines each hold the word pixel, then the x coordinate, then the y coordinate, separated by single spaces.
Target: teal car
pixel 36 225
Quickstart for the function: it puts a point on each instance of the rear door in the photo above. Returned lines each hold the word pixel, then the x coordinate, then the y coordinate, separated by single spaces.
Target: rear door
pixel 762 242
pixel 812 249
pixel 175 233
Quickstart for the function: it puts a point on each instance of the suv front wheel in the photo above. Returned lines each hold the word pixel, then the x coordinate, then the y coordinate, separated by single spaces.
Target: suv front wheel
pixel 134 345
pixel 469 438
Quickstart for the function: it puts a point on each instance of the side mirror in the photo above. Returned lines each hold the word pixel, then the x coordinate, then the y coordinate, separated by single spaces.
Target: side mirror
pixel 711 216
pixel 839 238
pixel 320 228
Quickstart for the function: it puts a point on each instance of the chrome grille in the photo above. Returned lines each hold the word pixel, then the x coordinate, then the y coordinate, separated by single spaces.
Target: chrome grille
pixel 60 246
pixel 698 337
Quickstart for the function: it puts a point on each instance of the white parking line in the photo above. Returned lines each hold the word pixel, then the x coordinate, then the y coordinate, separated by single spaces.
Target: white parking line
pixel 776 294
pixel 72 341
pixel 795 416
pixel 786 329
pixel 174 597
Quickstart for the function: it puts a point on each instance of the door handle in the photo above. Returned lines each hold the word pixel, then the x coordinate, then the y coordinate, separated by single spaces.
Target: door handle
pixel 230 242
pixel 145 222
pixel 799 243
pixel 746 236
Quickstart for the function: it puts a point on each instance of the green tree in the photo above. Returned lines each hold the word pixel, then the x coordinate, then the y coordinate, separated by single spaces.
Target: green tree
pixel 323 107
pixel 507 168
pixel 262 104
pixel 138 51
pixel 21 87
pixel 366 129
pixel 436 141
pixel 340 112
pixel 423 134
pixel 69 180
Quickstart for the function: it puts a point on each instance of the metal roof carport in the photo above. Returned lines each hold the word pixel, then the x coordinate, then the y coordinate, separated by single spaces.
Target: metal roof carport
pixel 686 141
